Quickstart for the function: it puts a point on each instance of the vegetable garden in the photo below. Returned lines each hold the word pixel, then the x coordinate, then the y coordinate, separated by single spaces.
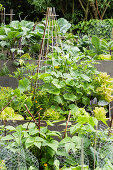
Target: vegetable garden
pixel 59 117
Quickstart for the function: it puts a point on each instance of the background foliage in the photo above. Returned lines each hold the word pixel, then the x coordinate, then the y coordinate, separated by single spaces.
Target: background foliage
pixel 72 10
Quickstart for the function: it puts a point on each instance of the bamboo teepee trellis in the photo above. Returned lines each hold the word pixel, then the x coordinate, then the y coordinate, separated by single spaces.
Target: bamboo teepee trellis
pixel 51 37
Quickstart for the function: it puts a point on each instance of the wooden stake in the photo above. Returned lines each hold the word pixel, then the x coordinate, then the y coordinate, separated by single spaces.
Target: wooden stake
pixel 67 123
pixel 11 15
pixel 7 104
pixel 31 115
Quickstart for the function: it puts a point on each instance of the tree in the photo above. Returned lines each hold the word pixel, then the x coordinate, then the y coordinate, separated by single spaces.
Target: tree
pixel 40 5
pixel 95 8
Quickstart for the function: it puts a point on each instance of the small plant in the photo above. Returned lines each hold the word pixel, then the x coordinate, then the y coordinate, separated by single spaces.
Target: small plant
pixel 5 96
pixel 2 165
pixel 100 114
pixel 104 87
pixel 51 114
pixel 4 71
pixel 8 114
pixel 39 141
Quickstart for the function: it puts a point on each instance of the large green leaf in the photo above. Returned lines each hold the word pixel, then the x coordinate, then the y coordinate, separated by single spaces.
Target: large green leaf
pixel 96 43
pixel 25 31
pixel 52 144
pixel 24 85
pixel 4 43
pixel 69 96
pixel 30 140
pixel 37 144
pixel 85 100
pixel 64 25
pixel 85 77
pixel 73 108
pixel 104 44
pixel 58 99
pixel 67 76
pixel 54 133
pixel 57 164
pixel 7 30
pixel 10 128
pixel 39 139
pixel 58 84
pixel 75 128
pixel 66 140
pixel 27 24
pixel 15 24
pixel 2 31
pixel 8 137
pixel 13 34
pixel 29 125
pixel 51 89
pixel 3 37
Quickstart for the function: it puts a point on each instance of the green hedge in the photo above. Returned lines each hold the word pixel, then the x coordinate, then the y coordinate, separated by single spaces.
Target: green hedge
pixel 101 28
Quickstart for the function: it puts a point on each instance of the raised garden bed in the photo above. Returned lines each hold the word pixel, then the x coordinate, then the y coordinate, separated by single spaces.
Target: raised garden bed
pixel 6 81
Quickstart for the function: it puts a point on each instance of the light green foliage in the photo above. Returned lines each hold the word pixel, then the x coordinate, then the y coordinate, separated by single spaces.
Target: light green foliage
pixel 1 7
pixel 104 87
pixel 51 114
pixel 17 104
pixel 104 57
pixel 26 56
pixel 2 165
pixel 24 85
pixel 8 114
pixel 5 96
pixel 100 114
pixel 84 122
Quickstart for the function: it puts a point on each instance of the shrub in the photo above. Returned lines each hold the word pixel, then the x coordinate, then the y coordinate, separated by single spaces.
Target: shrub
pixel 101 28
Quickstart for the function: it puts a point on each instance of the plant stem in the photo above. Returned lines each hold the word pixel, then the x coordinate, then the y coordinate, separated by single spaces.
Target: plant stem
pixel 8 104
pixel 105 9
pixel 67 123
pixel 39 123
pixel 82 155
pixel 111 122
pixel 31 120
pixel 98 10
pixel 31 115
pixel 95 146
